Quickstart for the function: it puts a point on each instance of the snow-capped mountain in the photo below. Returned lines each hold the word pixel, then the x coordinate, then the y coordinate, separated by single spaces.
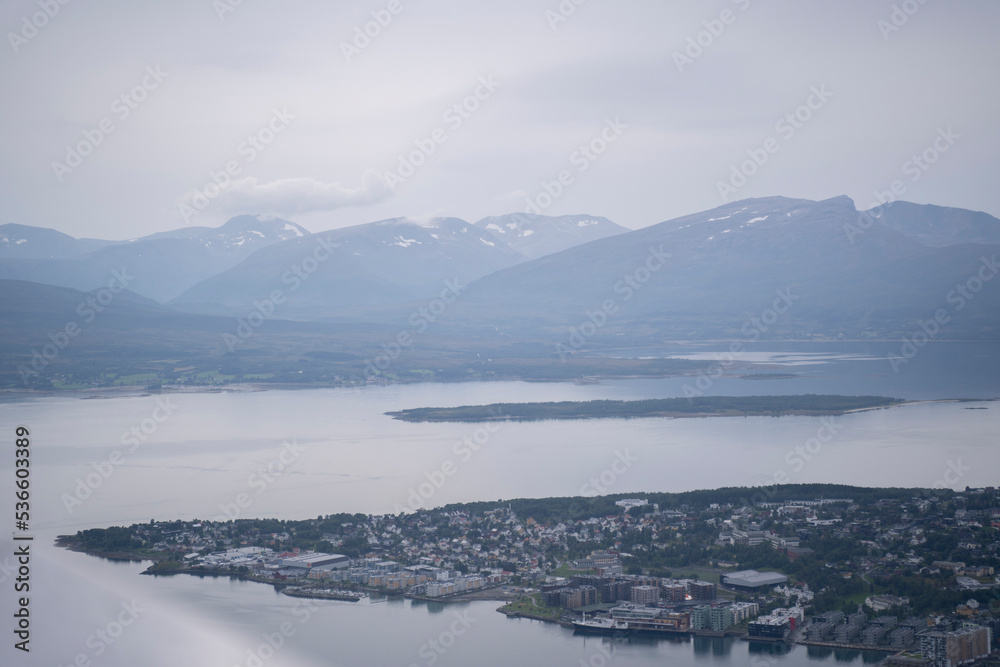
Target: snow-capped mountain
pixel 161 265
pixel 244 232
pixel 538 235
pixel 25 242
pixel 385 262
pixel 714 273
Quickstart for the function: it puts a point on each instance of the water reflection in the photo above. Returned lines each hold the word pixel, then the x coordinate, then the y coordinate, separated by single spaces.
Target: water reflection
pixel 717 646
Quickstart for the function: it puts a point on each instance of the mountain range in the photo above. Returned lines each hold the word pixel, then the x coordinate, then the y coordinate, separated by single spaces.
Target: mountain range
pixel 835 270
pixel 162 265
pixel 763 268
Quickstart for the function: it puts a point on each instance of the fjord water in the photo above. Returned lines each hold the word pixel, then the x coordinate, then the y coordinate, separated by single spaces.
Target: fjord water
pixel 346 456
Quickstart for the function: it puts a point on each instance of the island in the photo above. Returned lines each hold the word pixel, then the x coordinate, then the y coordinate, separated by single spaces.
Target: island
pixel 695 406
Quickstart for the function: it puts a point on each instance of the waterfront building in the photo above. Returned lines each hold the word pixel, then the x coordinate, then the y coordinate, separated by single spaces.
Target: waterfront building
pixel 307 561
pixel 701 617
pixel 720 619
pixel 769 627
pixel 960 647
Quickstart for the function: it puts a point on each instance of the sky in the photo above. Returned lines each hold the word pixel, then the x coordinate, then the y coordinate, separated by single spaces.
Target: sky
pixel 122 119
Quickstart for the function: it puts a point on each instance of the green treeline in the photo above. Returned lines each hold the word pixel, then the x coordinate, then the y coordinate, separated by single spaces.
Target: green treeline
pixel 806 404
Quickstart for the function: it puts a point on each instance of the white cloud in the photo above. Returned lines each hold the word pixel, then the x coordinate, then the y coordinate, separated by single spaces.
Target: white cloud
pixel 289 196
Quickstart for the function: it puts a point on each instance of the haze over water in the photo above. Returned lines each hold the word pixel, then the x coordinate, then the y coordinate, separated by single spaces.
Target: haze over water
pixel 349 457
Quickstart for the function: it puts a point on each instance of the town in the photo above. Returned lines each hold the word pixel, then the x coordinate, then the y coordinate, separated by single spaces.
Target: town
pixel 910 572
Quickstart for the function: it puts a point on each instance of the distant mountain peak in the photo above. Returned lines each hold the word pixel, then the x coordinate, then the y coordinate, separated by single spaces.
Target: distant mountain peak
pixel 938 226
pixel 538 235
pixel 268 225
pixel 27 242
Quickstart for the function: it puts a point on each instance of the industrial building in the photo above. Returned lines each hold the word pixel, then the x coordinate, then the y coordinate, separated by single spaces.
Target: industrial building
pixel 309 561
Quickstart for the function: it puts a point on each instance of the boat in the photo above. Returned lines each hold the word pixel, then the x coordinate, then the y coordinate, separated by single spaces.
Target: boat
pixel 600 625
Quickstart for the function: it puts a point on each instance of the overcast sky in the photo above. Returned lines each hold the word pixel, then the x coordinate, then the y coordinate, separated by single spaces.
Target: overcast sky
pixel 332 114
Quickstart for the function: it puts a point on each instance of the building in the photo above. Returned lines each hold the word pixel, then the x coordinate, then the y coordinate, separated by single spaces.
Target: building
pixel 901 638
pixel 720 619
pixel 820 632
pixel 749 538
pixel 744 611
pixel 673 592
pixel 849 632
pixel 770 627
pixel 701 590
pixel 308 561
pixel 970 584
pixel 629 503
pixel 878 630
pixel 666 622
pixel 883 602
pixel 701 617
pixel 716 619
pixel 752 581
pixel 645 594
pixel 961 647
pixel 783 543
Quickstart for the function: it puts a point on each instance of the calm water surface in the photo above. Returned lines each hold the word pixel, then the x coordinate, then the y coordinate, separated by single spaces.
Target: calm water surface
pixel 349 457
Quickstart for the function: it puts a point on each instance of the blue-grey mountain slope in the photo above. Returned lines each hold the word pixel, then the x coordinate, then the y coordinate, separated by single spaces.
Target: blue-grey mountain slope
pixel 535 236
